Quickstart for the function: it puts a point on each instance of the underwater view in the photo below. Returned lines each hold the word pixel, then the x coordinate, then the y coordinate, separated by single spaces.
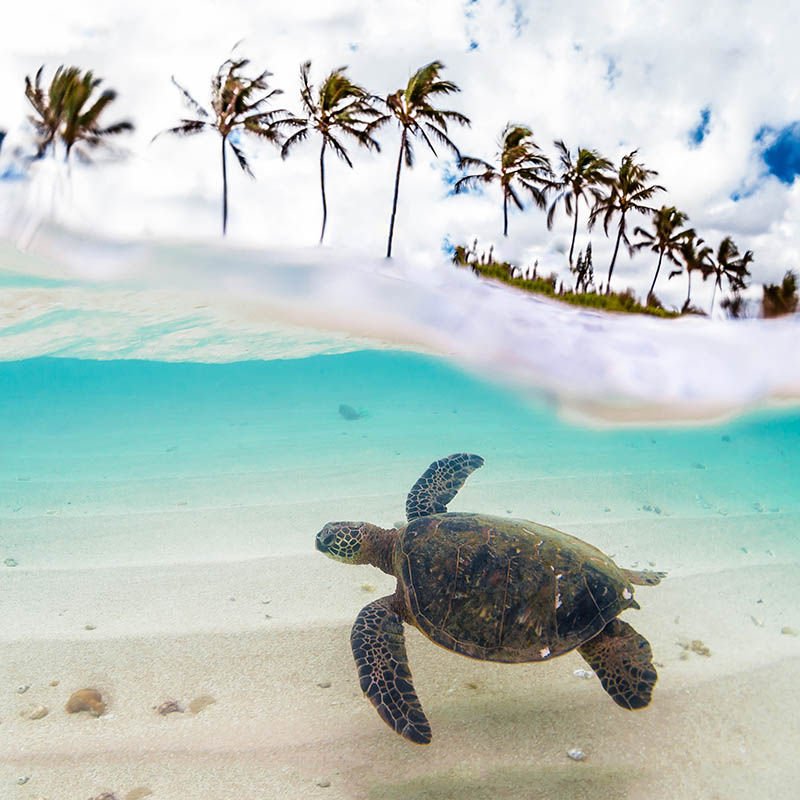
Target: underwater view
pixel 158 539
pixel 425 443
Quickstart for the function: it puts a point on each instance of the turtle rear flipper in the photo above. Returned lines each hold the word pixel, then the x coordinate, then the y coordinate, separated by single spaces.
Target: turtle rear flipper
pixel 623 661
pixel 645 577
pixel 439 484
pixel 379 649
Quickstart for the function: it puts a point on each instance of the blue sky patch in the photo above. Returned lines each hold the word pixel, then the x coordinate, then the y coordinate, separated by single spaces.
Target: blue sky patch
pixel 700 131
pixel 612 71
pixel 780 149
pixel 450 174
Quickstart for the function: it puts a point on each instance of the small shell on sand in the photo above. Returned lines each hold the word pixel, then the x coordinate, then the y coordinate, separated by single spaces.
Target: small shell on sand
pixel 169 707
pixel 323 782
pixel 787 631
pixel 576 754
pixel 24 688
pixel 200 703
pixel 582 673
pixel 36 712
pixel 105 796
pixel 11 562
pixel 368 587
pixel 23 779
pixel 86 700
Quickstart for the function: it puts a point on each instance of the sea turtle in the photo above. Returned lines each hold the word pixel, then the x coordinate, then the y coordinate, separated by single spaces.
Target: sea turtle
pixel 490 588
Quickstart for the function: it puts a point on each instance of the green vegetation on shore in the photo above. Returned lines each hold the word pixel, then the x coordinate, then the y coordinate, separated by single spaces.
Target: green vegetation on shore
pixel 626 301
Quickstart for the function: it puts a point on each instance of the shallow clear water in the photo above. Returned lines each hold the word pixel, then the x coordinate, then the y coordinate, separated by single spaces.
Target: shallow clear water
pixel 75 431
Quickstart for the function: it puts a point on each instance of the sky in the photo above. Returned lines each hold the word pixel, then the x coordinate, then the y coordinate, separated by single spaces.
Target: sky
pixel 707 93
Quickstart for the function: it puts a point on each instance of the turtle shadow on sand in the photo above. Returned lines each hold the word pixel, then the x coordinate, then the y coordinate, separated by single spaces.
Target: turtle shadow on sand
pixel 577 782
pixel 490 588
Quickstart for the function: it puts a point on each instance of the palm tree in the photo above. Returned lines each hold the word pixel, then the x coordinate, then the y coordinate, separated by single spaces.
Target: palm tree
pixel 731 265
pixel 68 113
pixel 338 105
pixel 665 238
pixel 578 178
pixel 235 107
pixel 520 161
pixel 696 255
pixel 417 118
pixel 628 192
pixel 779 299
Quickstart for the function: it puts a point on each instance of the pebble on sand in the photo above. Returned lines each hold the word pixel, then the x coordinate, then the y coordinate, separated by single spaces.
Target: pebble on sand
pixel 36 712
pixel 200 703
pixel 576 754
pixel 11 562
pixel 788 631
pixel 169 707
pixel 349 413
pixel 86 700
pixel 323 782
pixel 138 793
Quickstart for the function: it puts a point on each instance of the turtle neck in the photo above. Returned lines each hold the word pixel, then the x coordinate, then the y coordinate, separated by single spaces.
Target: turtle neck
pixel 382 542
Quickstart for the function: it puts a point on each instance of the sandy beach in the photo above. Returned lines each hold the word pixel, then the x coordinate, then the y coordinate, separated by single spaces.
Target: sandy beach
pixel 205 586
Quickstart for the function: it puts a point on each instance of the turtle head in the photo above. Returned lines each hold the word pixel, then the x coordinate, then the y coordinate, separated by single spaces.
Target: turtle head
pixel 359 543
pixel 343 541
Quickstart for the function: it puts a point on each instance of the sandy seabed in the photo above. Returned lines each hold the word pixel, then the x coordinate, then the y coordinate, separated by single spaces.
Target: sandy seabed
pixel 195 600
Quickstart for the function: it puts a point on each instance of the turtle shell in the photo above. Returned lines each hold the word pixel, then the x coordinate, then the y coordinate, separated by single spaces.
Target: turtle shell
pixel 504 589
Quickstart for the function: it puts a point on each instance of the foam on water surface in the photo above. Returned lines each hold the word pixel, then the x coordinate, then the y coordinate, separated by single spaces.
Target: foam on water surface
pixel 209 302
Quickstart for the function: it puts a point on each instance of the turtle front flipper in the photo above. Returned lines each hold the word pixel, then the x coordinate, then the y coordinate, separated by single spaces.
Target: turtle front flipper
pixel 623 661
pixel 439 484
pixel 379 649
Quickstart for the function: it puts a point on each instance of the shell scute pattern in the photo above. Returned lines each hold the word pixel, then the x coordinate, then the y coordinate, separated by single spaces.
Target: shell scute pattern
pixel 502 590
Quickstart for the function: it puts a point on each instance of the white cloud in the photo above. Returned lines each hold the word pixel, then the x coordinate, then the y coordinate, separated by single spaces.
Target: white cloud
pixel 544 64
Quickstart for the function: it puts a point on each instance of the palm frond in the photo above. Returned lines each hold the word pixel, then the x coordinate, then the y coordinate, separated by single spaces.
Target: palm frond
pixel 186 128
pixel 189 101
pixel 240 157
pixel 298 136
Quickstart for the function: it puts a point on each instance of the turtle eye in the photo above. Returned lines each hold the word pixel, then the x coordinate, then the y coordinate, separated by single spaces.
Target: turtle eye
pixel 328 538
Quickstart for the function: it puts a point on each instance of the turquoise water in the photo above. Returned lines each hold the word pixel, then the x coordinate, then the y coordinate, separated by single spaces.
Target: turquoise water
pixel 73 431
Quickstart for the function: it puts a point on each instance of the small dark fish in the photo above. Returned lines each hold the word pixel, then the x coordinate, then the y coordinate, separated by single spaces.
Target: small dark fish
pixel 348 412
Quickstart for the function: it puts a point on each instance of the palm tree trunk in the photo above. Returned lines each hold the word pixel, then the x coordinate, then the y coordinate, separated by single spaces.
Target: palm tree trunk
pixel 655 277
pixel 689 290
pixel 396 190
pixel 224 190
pixel 574 234
pixel 322 186
pixel 505 214
pixel 717 282
pixel 614 257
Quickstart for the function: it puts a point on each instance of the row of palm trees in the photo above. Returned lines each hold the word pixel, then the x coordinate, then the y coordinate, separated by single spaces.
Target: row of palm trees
pixel 336 110
pixel 340 111
pixel 521 166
